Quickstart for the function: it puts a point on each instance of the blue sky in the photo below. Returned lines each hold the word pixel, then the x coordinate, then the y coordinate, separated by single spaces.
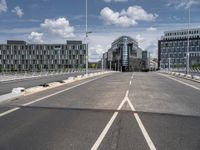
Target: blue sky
pixel 51 21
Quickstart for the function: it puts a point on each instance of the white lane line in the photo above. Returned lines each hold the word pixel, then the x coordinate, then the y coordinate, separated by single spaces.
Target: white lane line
pixel 109 124
pixel 132 76
pixel 142 128
pixel 45 97
pixel 104 132
pixel 130 82
pixel 127 93
pixel 9 111
pixel 181 82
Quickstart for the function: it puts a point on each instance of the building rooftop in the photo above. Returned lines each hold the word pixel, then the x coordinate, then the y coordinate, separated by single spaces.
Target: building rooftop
pixel 16 42
pixel 21 42
pixel 181 34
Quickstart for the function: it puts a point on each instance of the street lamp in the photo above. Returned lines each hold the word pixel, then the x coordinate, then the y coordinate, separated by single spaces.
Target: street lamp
pixel 188 45
pixel 102 64
pixel 169 64
pixel 86 35
pixel 86 57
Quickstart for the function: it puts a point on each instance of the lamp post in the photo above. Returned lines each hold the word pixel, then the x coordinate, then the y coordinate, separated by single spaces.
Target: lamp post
pixel 188 45
pixel 86 35
pixel 169 65
pixel 102 64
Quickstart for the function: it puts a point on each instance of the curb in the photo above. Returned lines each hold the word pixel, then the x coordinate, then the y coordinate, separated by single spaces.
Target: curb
pixel 18 92
pixel 184 76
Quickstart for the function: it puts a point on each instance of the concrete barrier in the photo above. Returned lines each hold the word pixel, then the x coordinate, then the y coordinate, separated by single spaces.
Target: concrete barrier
pixel 182 75
pixel 188 76
pixel 85 75
pixel 71 78
pixel 79 77
pixel 54 84
pixel 177 74
pixel 16 92
pixel 33 90
pixel 196 77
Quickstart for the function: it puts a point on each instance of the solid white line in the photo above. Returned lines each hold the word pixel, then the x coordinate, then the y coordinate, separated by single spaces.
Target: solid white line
pixel 9 111
pixel 40 99
pixel 180 81
pixel 104 132
pixel 144 131
pixel 109 124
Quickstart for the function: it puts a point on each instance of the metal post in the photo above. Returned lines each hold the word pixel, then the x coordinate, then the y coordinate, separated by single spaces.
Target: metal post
pixel 169 65
pixel 149 60
pixel 118 64
pixel 86 57
pixel 110 66
pixel 86 34
pixel 102 65
pixel 188 46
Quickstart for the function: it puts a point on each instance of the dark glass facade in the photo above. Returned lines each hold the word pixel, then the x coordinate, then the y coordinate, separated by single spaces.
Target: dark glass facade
pixel 172 49
pixel 124 55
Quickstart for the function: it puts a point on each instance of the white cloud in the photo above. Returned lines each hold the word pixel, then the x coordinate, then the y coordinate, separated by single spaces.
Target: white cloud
pixel 111 17
pixel 35 37
pixel 18 11
pixel 126 18
pixel 183 3
pixel 60 27
pixel 108 1
pixel 139 38
pixel 96 51
pixel 3 6
pixel 151 29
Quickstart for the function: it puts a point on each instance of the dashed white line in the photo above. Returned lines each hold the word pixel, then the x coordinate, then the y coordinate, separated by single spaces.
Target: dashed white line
pixel 127 93
pixel 132 76
pixel 130 83
pixel 142 128
pixel 181 82
pixel 45 97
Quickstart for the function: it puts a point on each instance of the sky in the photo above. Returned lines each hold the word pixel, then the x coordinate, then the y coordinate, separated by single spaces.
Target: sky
pixel 55 21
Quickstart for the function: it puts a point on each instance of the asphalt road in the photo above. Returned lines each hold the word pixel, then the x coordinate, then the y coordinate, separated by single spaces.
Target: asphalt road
pixel 6 87
pixel 119 111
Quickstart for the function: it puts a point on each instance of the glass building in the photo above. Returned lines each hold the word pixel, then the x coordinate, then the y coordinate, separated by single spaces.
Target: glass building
pixel 21 56
pixel 172 48
pixel 124 55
